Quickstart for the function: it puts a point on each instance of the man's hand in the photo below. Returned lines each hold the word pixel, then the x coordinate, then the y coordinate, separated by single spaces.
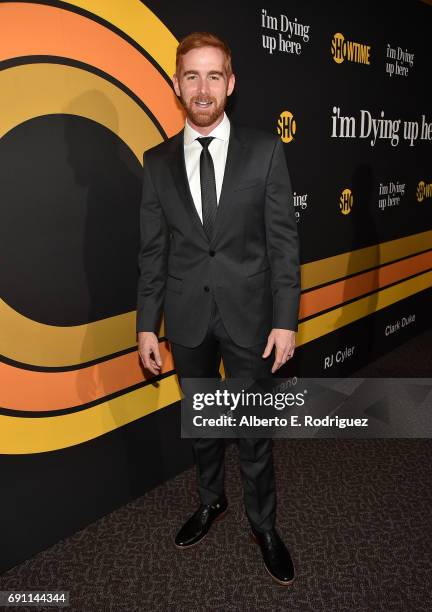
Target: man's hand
pixel 148 348
pixel 284 341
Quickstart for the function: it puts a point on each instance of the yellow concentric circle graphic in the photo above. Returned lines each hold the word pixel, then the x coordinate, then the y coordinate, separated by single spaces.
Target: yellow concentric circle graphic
pixel 108 62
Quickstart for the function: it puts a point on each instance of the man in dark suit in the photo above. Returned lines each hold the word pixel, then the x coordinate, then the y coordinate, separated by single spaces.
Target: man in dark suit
pixel 219 258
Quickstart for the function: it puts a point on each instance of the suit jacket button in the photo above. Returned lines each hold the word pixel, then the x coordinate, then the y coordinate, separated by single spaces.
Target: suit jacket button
pixel 206 288
pixel 211 253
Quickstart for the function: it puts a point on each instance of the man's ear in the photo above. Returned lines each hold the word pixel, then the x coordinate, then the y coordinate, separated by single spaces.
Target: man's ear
pixel 176 84
pixel 231 83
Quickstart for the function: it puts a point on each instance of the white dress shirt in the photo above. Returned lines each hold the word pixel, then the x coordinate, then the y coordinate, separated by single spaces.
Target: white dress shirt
pixel 218 149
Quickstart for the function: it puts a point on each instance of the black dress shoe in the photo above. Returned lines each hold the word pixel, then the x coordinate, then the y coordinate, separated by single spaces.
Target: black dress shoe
pixel 200 522
pixel 277 559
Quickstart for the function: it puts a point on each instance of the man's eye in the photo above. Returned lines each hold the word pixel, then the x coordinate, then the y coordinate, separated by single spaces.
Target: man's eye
pixel 214 77
pixel 190 77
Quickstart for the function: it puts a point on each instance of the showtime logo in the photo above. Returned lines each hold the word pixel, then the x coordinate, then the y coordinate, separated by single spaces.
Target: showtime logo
pixel 349 50
pixel 286 126
pixel 424 190
pixel 346 201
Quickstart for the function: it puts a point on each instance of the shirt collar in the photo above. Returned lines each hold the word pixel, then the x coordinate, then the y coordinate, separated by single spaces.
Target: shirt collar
pixel 221 131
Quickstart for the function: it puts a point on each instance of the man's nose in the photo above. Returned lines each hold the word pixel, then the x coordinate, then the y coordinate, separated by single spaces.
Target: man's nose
pixel 203 86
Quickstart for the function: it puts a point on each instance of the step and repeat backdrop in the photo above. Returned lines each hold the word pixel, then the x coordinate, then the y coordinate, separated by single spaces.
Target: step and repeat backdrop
pixel 85 91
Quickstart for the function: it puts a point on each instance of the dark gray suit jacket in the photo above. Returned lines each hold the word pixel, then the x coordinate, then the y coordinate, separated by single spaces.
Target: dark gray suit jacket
pixel 251 264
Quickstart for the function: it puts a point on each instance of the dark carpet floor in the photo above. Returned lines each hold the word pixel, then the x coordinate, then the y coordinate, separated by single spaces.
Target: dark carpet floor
pixel 356 515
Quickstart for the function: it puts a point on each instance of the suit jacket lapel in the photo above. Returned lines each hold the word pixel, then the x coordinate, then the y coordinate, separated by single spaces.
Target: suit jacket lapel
pixel 233 167
pixel 234 163
pixel 178 168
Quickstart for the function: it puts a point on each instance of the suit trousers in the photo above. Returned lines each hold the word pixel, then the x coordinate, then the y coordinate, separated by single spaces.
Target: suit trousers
pixel 256 456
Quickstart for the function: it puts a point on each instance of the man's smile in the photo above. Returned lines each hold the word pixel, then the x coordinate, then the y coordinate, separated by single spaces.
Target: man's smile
pixel 203 104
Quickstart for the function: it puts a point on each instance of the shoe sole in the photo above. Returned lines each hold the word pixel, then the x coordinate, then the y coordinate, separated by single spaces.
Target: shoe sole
pixel 281 582
pixel 218 518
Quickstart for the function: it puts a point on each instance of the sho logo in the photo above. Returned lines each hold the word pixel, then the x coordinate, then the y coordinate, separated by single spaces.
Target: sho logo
pixel 346 201
pixel 424 190
pixel 337 48
pixel 287 126
pixel 349 50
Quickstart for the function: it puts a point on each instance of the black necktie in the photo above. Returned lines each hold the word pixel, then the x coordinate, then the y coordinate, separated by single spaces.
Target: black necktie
pixel 208 187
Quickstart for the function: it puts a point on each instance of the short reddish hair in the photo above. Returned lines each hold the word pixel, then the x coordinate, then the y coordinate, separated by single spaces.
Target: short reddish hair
pixel 197 40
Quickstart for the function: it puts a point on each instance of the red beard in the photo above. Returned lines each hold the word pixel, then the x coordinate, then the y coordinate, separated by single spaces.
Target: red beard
pixel 204 117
